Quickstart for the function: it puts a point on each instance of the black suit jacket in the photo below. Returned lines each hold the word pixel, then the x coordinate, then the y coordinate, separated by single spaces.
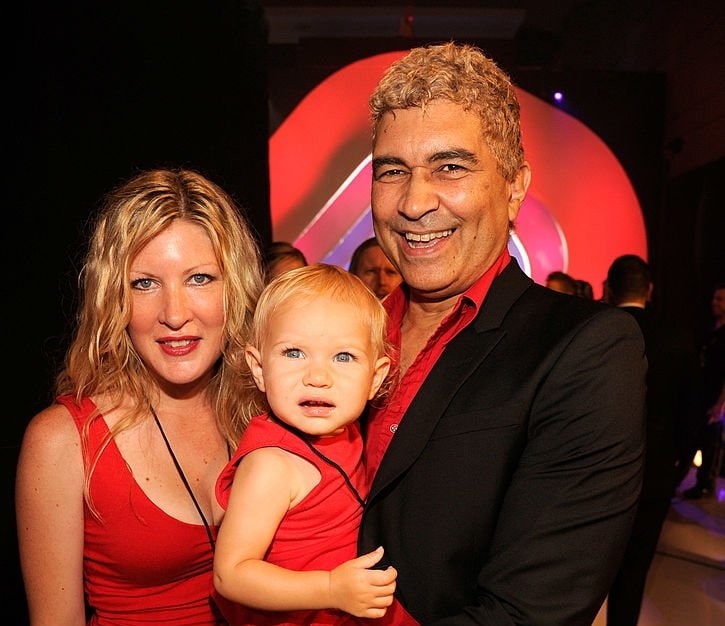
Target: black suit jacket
pixel 671 393
pixel 508 491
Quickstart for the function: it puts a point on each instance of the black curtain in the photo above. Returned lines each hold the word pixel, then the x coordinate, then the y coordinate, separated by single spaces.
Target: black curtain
pixel 98 91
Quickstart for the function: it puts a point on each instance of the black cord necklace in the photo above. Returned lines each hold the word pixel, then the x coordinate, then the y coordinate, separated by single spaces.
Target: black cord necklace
pixel 183 479
pixel 324 459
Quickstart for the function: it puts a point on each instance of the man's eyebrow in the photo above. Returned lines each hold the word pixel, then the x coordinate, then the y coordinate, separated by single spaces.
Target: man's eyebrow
pixel 387 160
pixel 455 154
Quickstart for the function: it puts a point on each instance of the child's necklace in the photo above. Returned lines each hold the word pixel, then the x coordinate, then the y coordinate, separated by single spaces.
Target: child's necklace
pixel 325 459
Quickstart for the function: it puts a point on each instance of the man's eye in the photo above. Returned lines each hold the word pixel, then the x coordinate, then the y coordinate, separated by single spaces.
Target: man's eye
pixel 344 357
pixel 451 171
pixel 142 284
pixel 292 353
pixel 389 174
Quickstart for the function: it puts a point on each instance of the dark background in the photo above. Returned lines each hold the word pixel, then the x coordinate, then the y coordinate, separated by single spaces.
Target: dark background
pixel 100 90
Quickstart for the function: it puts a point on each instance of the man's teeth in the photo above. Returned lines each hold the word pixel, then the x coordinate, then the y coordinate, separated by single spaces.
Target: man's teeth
pixel 426 237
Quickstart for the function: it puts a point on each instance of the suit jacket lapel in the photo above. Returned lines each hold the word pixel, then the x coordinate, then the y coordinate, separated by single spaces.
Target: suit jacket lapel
pixel 459 360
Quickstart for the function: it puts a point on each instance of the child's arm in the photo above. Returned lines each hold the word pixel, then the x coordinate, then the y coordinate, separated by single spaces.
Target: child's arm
pixel 267 482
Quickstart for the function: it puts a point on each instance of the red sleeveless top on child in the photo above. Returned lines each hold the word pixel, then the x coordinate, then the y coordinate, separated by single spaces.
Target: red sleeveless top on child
pixel 140 566
pixel 320 532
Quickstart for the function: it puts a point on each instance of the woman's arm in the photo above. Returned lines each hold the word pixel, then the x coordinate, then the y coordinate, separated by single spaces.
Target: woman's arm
pixel 49 510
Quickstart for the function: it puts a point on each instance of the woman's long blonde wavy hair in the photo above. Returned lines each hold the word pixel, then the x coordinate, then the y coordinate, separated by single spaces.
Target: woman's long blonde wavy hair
pixel 101 360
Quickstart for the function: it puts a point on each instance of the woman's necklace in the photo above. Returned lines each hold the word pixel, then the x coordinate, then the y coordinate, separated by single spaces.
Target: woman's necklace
pixel 183 479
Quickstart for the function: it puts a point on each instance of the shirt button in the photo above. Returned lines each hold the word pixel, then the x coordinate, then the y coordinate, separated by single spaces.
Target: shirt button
pixel 393 428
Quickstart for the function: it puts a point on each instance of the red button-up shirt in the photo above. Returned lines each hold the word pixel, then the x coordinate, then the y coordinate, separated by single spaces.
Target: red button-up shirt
pixel 383 421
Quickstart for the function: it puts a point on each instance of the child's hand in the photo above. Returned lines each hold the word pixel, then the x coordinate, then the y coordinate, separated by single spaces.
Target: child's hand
pixel 361 591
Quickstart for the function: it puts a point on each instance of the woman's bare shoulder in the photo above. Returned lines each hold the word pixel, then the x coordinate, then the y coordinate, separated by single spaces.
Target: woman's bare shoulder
pixel 53 426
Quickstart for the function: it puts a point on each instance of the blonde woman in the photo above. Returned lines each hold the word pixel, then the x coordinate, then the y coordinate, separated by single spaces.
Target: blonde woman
pixel 115 503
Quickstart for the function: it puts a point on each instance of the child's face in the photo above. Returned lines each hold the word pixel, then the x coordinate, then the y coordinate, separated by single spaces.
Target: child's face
pixel 317 365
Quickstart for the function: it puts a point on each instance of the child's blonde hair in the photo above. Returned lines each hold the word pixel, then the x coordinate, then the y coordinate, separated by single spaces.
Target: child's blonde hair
pixel 321 280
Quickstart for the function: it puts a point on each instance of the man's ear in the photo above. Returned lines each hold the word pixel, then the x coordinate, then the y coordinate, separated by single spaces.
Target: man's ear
pixel 254 360
pixel 518 189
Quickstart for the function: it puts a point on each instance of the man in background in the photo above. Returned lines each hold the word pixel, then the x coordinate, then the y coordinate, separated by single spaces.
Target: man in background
pixel 561 282
pixel 671 380
pixel 706 435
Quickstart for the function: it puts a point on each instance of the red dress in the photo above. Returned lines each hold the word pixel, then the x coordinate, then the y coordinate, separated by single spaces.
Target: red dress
pixel 320 532
pixel 140 566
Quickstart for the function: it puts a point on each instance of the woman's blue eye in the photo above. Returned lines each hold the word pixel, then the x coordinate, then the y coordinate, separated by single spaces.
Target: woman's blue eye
pixel 344 357
pixel 142 283
pixel 293 353
pixel 201 279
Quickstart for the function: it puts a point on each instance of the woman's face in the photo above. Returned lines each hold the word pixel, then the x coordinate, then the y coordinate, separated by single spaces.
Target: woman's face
pixel 377 272
pixel 177 307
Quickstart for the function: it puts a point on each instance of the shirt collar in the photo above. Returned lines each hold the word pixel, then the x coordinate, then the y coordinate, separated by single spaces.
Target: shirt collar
pixel 397 301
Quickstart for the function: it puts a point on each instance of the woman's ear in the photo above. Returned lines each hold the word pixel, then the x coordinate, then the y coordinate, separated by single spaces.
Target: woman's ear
pixel 254 360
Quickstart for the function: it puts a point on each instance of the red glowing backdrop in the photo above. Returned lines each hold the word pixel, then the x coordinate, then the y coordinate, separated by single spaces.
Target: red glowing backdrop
pixel 580 213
